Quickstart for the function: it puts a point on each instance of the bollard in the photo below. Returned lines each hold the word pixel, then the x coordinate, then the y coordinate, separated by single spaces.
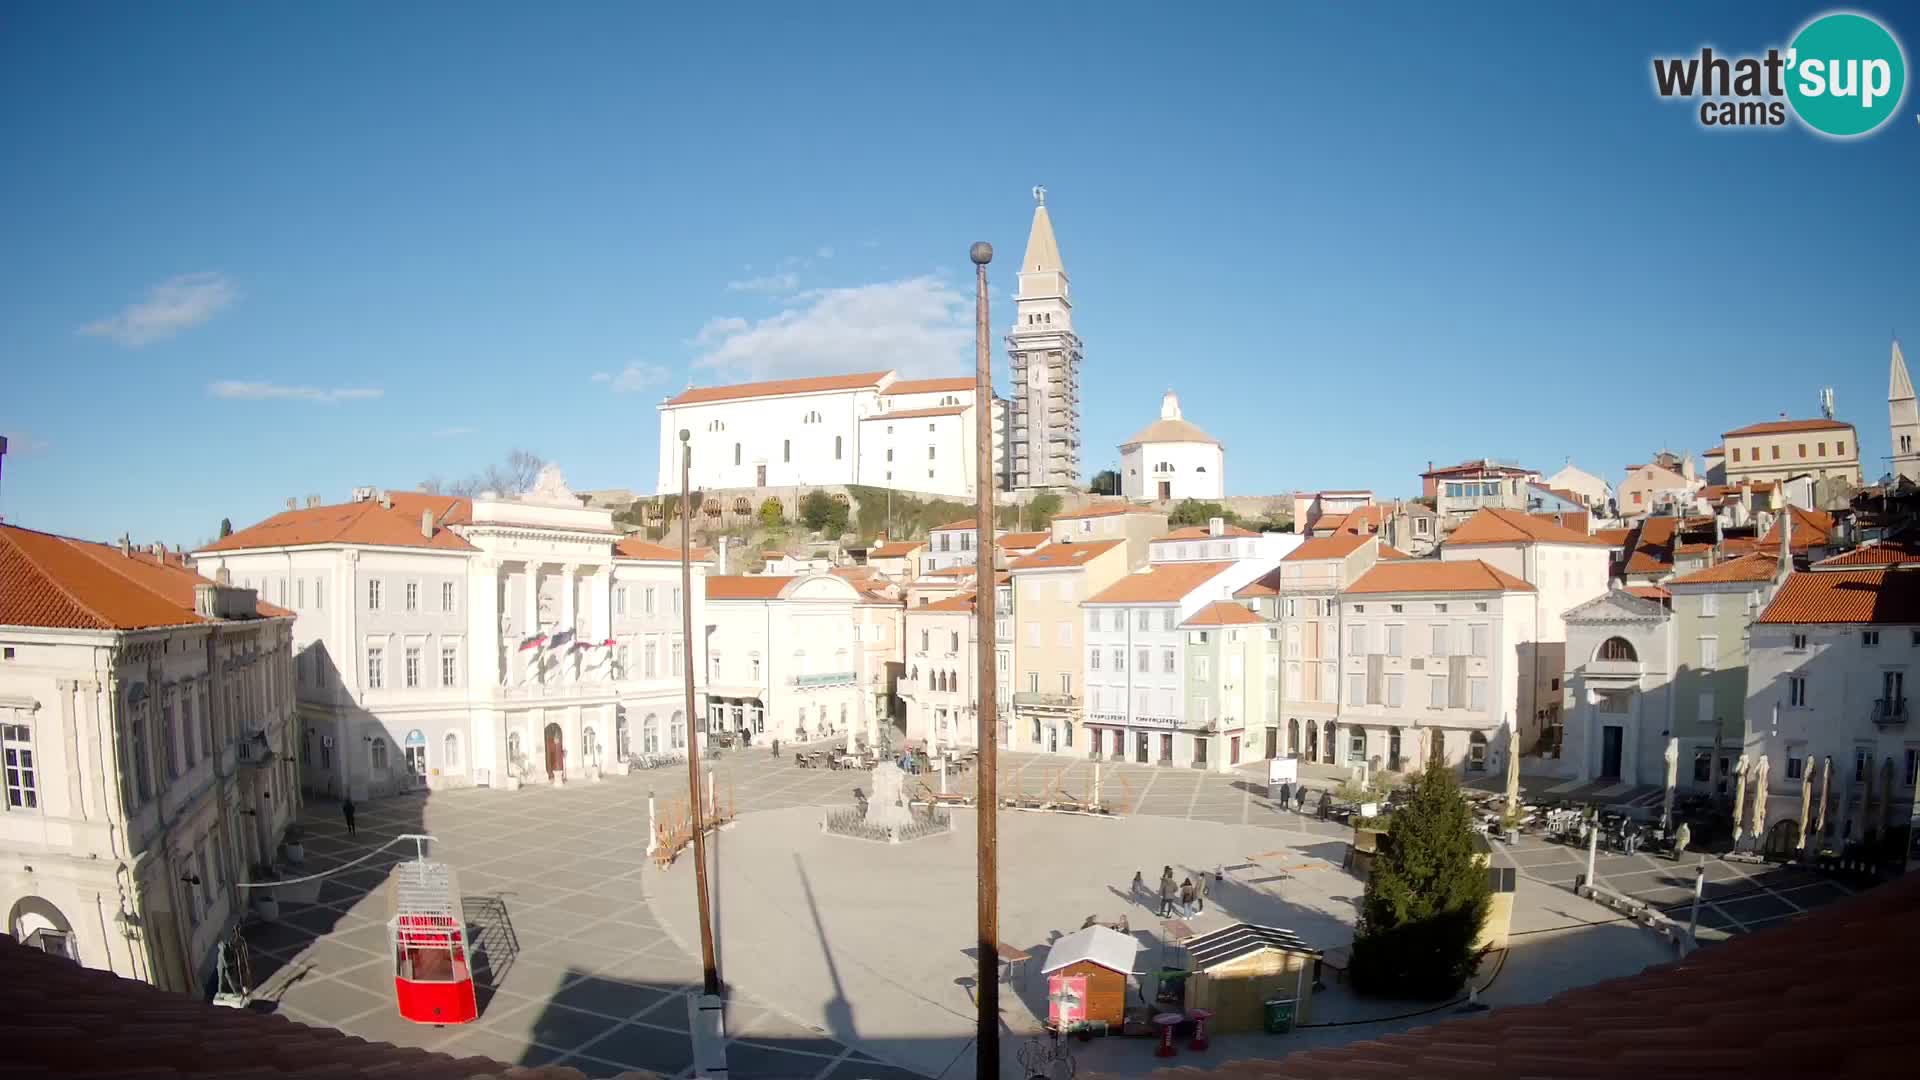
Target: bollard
pixel 653 830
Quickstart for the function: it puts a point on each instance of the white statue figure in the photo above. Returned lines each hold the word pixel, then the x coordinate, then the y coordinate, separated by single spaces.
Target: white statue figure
pixel 887 806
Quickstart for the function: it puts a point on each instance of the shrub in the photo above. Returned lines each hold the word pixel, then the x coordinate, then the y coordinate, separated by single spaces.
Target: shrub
pixel 772 514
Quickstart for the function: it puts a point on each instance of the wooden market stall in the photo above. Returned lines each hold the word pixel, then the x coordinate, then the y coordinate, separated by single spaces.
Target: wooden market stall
pixel 1239 969
pixel 1088 972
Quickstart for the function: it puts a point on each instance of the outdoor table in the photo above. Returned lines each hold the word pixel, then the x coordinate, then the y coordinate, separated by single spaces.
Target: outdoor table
pixel 1200 1018
pixel 1337 960
pixel 1013 963
pixel 1167 1021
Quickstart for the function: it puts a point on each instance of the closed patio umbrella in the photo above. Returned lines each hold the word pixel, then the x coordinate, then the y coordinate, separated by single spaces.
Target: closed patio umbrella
pixel 1760 769
pixel 1806 805
pixel 1886 796
pixel 1865 820
pixel 1673 780
pixel 1826 796
pixel 1739 796
pixel 1513 767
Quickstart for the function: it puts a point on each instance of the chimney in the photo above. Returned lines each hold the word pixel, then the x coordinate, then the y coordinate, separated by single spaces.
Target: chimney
pixel 1216 526
pixel 426 524
pixel 313 501
pixel 293 503
pixel 223 576
pixel 126 545
pixel 723 555
pixel 386 501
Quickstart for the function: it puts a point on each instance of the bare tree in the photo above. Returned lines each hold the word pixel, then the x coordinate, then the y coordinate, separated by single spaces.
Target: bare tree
pixel 514 476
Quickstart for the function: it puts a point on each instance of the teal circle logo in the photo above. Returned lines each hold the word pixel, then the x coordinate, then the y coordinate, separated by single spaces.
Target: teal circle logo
pixel 1845 74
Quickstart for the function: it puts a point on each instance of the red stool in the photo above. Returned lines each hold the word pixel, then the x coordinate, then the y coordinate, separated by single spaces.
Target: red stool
pixel 1167 1021
pixel 1200 1018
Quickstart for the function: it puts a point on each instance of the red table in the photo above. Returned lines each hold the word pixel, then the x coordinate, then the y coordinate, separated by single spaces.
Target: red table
pixel 1200 1018
pixel 1167 1021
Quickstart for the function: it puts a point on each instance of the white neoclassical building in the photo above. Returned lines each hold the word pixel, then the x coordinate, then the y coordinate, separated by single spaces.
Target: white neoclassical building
pixel 871 428
pixel 145 720
pixel 448 642
pixel 1172 458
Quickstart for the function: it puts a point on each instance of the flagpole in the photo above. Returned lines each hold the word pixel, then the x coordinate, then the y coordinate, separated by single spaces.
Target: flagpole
pixel 710 976
pixel 986 1038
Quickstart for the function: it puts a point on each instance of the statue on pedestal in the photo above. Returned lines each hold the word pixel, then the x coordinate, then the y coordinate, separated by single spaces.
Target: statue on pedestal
pixel 887 806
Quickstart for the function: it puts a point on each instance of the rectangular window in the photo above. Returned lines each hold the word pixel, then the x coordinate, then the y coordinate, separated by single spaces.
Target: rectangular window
pixel 1912 766
pixel 786 450
pixel 373 594
pixel 647 600
pixel 1439 639
pixel 1093 660
pixel 1796 764
pixel 1800 642
pixel 1395 689
pixel 1202 667
pixel 1066 683
pixel 1803 449
pixel 1736 457
pixel 1478 636
pixel 1870 639
pixel 674 655
pixel 412 660
pixel 1329 683
pixel 1477 694
pixel 1166 661
pixel 650 658
pixel 23 783
pixel 1356 689
pixel 1293 682
pixel 1141 663
pixel 1776 451
pixel 300 592
pixel 1436 692
pixel 1357 640
pixel 674 596
pixel 1702 766
pixel 1710 653
pixel 1396 640
pixel 446 596
pixel 1033 682
pixel 619 599
pixel 449 665
pixel 1840 448
pixel 1166 619
pixel 1709 605
pixel 1119 658
pixel 413 596
pixel 376 667
pixel 1143 620
pixel 1822 447
pixel 1797 691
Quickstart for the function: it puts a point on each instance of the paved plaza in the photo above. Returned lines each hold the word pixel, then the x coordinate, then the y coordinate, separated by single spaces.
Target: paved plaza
pixel 845 959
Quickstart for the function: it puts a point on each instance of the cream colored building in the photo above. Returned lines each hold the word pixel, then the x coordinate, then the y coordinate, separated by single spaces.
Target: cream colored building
pixel 1780 449
pixel 784 657
pixel 940 690
pixel 1652 486
pixel 1136 526
pixel 147 724
pixel 1048 588
pixel 1303 595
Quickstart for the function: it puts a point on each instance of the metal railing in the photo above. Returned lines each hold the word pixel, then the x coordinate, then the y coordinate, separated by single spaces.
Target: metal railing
pixel 831 678
pixel 1890 712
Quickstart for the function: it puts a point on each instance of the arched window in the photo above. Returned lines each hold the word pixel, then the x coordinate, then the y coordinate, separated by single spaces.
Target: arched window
pixel 677 729
pixel 590 745
pixel 1617 648
pixel 1036 732
pixel 621 739
pixel 1477 750
pixel 415 751
pixel 650 733
pixel 1067 732
pixel 914 675
pixel 379 753
pixel 450 751
pixel 513 749
pixel 736 453
pixel 836 448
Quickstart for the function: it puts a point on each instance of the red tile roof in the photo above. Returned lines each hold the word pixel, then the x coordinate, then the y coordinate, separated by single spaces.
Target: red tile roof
pixel 1746 568
pixel 1435 575
pixel 1798 998
pixel 1651 549
pixel 1389 552
pixel 71 1021
pixel 365 522
pixel 961 385
pixel 1714 451
pixel 1363 520
pixel 1570 519
pixel 1222 613
pixel 777 387
pixel 1777 427
pixel 1810 529
pixel 1896 552
pixel 1056 556
pixel 957 602
pixel 1880 595
pixel 1267 584
pixel 1614 537
pixel 1479 467
pixel 1104 509
pixel 633 547
pixel 963 523
pixel 747 586
pixel 899 549
pixel 1649 592
pixel 1200 532
pixel 1022 541
pixel 1492 526
pixel 909 414
pixel 1326 547
pixel 1163 584
pixel 56 581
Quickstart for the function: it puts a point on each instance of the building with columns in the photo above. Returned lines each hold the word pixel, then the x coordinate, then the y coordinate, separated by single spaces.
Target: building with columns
pixel 448 642
pixel 794 658
pixel 1044 356
pixel 1172 458
pixel 146 720
pixel 873 428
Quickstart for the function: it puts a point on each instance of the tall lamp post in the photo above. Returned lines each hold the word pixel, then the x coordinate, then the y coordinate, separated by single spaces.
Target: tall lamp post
pixel 987 1036
pixel 709 974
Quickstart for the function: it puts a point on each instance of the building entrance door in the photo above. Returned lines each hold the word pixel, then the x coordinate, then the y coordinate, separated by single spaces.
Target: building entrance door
pixel 556 752
pixel 1166 490
pixel 416 756
pixel 1166 749
pixel 759 476
pixel 1610 737
pixel 1273 742
pixel 1142 750
pixel 1393 749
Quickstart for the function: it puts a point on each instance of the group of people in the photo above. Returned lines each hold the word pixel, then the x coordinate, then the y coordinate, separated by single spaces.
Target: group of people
pixel 1187 899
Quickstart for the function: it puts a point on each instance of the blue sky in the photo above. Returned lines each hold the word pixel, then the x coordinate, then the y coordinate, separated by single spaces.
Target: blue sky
pixel 261 251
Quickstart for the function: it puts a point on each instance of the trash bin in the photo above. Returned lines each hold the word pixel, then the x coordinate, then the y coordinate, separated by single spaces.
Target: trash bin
pixel 1279 1016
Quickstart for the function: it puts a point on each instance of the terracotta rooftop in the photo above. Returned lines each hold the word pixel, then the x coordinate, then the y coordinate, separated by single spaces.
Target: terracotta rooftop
pixel 1163 584
pixel 634 547
pixel 1479 467
pixel 1435 575
pixel 1898 552
pixel 65 1020
pixel 1650 551
pixel 951 571
pixel 1793 999
pixel 778 387
pixel 899 549
pixel 963 523
pixel 1810 528
pixel 1714 451
pixel 1746 568
pixel 1388 551
pixel 1200 532
pixel 747 586
pixel 1650 592
pixel 1879 595
pixel 1614 537
pixel 1569 519
pixel 909 414
pixel 365 522
pixel 58 582
pixel 1057 556
pixel 1491 526
pixel 1267 584
pixel 1326 547
pixel 959 602
pixel 1104 509
pixel 1222 613
pixel 962 385
pixel 1022 541
pixel 1777 427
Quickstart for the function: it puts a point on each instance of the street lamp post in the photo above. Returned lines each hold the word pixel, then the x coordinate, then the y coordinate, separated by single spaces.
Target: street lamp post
pixel 987 1035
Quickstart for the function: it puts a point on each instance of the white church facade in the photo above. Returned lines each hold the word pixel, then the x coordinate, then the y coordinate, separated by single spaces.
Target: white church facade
pixel 873 428
pixel 1172 459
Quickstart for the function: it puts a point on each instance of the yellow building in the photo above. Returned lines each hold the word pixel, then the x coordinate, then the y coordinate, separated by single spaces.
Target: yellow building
pixel 1048 587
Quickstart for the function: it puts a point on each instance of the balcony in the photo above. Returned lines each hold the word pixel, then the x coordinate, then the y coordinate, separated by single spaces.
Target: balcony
pixel 1890 712
pixel 1028 699
pixel 831 678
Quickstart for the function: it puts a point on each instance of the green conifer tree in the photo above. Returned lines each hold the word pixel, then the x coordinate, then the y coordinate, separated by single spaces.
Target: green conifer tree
pixel 1426 898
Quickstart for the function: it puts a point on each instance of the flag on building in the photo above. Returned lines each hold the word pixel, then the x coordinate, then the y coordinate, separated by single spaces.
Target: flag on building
pixel 559 638
pixel 533 642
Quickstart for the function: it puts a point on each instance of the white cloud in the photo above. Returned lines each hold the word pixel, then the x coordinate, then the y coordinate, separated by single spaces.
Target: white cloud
pixel 785 281
pixel 452 432
pixel 261 391
pixel 823 253
pixel 919 325
pixel 633 377
pixel 169 307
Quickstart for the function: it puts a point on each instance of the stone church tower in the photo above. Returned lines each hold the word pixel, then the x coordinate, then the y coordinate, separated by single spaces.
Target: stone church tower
pixel 1903 416
pixel 1043 430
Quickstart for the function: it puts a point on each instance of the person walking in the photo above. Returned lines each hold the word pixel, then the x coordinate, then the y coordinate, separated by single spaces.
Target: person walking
pixel 776 748
pixel 1300 799
pixel 346 811
pixel 1137 890
pixel 1166 892
pixel 1200 894
pixel 1681 838
pixel 1186 898
pixel 1286 793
